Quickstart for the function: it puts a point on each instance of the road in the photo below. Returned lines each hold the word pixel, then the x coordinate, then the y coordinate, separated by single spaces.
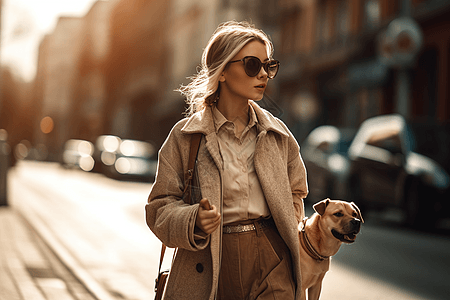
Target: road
pixel 100 225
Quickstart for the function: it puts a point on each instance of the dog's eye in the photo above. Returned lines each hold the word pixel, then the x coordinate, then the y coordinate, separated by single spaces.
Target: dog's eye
pixel 338 214
pixel 355 215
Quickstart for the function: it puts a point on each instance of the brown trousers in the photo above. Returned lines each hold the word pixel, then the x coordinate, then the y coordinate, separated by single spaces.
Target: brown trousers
pixel 256 265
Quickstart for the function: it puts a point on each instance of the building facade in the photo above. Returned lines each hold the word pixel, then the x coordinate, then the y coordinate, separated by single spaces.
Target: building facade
pixel 336 72
pixel 116 69
pixel 89 98
pixel 136 68
pixel 57 62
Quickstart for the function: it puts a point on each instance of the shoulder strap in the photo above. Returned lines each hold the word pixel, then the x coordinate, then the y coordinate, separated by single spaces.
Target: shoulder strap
pixel 188 177
pixel 161 258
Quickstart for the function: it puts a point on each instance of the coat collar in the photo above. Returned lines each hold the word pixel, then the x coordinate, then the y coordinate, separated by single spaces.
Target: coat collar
pixel 203 121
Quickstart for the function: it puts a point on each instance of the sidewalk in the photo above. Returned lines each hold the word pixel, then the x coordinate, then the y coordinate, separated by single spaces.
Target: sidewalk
pixel 93 225
pixel 29 270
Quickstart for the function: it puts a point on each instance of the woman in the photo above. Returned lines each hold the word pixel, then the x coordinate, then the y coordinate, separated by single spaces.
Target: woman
pixel 250 170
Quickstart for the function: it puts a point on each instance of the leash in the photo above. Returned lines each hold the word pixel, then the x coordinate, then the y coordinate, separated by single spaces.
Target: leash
pixel 307 246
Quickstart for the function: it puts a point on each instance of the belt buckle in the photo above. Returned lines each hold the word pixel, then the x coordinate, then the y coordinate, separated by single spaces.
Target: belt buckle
pixel 239 228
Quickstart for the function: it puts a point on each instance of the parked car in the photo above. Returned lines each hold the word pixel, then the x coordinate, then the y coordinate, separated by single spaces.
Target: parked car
pixel 125 158
pixel 324 152
pixel 78 154
pixel 385 172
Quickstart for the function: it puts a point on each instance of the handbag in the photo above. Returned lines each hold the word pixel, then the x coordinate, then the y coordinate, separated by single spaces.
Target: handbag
pixel 191 189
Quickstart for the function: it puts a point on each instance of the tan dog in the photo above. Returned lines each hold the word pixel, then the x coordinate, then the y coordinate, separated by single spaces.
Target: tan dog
pixel 335 222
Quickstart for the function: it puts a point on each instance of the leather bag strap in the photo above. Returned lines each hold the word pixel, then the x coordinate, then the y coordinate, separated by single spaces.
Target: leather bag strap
pixel 189 176
pixel 161 258
pixel 163 251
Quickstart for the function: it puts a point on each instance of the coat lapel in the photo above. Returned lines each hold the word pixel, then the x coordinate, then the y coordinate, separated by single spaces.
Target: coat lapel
pixel 271 167
pixel 203 122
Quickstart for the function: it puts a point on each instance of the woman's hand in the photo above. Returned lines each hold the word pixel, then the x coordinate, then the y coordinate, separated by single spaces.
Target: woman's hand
pixel 208 218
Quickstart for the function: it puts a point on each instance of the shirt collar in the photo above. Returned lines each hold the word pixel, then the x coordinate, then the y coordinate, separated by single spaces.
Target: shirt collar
pixel 203 121
pixel 253 118
pixel 219 118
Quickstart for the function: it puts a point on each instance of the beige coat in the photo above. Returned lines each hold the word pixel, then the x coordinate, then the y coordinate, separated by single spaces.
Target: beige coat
pixel 195 271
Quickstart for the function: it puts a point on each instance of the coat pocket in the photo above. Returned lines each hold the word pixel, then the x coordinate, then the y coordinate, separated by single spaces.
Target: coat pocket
pixel 191 275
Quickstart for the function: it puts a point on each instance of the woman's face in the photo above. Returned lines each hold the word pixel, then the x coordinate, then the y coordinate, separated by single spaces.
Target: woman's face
pixel 235 83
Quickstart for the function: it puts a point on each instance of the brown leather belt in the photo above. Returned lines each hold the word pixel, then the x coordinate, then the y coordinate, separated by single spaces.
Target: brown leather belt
pixel 248 227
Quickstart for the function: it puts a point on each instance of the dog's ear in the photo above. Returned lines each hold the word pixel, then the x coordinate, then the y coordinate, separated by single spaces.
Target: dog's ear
pixel 358 211
pixel 320 207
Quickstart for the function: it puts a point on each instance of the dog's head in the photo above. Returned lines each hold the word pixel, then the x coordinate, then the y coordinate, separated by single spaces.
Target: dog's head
pixel 342 219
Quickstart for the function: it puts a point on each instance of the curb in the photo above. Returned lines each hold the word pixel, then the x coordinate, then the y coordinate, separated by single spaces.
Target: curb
pixel 94 288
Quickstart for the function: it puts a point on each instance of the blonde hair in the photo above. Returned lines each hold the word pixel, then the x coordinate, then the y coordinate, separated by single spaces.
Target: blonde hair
pixel 228 39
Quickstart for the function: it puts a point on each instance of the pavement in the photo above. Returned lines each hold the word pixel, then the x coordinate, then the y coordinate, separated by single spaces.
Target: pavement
pixel 47 252
pixel 79 218
pixel 30 269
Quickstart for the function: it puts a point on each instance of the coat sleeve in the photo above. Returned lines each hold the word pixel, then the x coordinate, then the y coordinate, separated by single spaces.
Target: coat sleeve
pixel 167 215
pixel 297 178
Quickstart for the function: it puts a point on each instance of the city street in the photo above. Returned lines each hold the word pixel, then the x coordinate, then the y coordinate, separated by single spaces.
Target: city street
pixel 98 225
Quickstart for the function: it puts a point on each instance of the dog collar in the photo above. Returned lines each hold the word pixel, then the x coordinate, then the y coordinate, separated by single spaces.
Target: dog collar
pixel 307 246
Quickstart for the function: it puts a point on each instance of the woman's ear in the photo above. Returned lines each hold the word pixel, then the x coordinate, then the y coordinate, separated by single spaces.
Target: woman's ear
pixel 222 77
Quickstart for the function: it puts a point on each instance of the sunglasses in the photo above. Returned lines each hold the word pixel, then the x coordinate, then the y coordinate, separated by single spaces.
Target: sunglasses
pixel 252 66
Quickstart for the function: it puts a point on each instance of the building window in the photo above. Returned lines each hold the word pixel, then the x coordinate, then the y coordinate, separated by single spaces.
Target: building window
pixel 290 34
pixel 323 25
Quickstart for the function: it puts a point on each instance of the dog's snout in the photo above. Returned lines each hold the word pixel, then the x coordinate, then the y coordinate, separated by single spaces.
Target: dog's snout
pixel 356 223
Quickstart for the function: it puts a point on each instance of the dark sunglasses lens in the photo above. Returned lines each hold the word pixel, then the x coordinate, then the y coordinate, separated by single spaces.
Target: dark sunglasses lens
pixel 252 66
pixel 272 69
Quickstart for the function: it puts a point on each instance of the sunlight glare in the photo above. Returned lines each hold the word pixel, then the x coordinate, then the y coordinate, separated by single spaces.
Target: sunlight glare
pixel 25 22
